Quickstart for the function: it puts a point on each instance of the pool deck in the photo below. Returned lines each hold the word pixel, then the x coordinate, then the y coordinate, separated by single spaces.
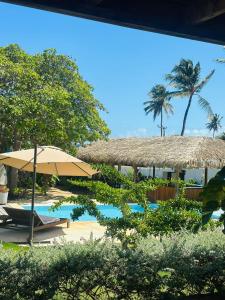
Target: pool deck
pixel 78 231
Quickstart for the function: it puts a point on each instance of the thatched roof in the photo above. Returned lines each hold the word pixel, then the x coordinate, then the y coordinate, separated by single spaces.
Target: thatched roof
pixel 172 151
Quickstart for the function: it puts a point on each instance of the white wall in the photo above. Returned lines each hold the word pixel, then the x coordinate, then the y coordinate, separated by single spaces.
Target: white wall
pixel 196 174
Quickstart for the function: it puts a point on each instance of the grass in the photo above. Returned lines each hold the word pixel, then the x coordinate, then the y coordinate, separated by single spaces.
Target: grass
pixel 12 246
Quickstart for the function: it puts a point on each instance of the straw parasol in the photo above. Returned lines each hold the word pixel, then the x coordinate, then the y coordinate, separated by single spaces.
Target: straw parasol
pixel 171 151
pixel 45 160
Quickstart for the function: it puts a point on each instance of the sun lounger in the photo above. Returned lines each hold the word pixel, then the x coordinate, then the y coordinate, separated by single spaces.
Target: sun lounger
pixel 22 217
pixel 3 215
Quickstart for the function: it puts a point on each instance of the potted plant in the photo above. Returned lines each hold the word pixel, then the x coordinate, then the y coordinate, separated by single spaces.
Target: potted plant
pixel 3 194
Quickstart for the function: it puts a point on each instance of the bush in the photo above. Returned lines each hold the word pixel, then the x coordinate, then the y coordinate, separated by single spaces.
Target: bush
pixel 171 216
pixel 107 174
pixel 185 264
pixel 43 183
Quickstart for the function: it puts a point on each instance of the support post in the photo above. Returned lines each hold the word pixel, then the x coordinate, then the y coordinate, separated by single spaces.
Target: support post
pixel 177 177
pixel 33 196
pixel 119 168
pixel 153 172
pixel 135 173
pixel 206 176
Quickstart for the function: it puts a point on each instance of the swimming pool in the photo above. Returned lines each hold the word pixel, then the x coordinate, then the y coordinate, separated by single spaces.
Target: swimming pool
pixel 65 211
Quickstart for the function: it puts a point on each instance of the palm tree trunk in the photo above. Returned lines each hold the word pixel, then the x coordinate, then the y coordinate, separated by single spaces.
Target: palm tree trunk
pixel 161 125
pixel 213 133
pixel 186 114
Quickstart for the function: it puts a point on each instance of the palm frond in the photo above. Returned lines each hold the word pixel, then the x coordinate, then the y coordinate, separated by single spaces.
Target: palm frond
pixel 181 93
pixel 185 75
pixel 168 108
pixel 204 82
pixel 214 122
pixel 220 60
pixel 159 101
pixel 205 105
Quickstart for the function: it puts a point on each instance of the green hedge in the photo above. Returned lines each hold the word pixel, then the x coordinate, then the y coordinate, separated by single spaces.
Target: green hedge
pixel 184 264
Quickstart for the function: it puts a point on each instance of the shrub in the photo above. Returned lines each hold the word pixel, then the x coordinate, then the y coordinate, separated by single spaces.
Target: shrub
pixel 184 264
pixel 171 216
pixel 107 174
pixel 213 197
pixel 44 182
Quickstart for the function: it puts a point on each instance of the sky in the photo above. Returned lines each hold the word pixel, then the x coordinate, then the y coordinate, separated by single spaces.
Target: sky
pixel 122 65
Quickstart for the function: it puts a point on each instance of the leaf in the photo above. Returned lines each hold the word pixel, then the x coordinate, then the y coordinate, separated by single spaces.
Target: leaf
pixel 205 105
pixel 220 60
pixel 44 98
pixel 204 81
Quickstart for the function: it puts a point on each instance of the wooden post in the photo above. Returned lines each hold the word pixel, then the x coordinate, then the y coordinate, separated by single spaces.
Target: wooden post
pixel 153 172
pixel 135 173
pixel 177 176
pixel 206 176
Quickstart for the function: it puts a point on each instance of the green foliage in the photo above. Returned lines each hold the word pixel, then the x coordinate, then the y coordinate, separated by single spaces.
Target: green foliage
pixel 214 123
pixel 111 176
pixel 213 196
pixel 183 264
pixel 43 98
pixel 12 246
pixel 221 136
pixel 159 102
pixel 192 181
pixel 171 216
pixel 43 183
pixel 177 215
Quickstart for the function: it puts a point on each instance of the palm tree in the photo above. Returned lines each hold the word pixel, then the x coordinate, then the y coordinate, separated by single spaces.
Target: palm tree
pixel 214 123
pixel 185 78
pixel 159 102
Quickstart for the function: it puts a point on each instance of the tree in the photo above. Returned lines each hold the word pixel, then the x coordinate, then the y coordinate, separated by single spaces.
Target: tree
pixel 221 136
pixel 214 123
pixel 44 100
pixel 159 102
pixel 185 78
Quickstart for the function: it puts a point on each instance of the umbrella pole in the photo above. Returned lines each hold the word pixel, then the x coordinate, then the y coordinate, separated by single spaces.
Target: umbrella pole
pixel 33 195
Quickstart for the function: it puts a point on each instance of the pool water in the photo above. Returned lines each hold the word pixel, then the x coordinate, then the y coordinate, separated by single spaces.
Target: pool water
pixel 65 211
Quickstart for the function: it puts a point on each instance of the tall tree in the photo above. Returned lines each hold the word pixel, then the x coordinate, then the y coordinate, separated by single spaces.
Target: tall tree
pixel 44 99
pixel 214 123
pixel 159 102
pixel 185 78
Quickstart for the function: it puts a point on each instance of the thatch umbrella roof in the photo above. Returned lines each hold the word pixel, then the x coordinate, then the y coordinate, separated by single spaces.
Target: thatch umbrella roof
pixel 172 151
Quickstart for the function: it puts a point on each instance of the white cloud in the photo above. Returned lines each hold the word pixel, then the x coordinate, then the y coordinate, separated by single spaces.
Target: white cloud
pixel 144 132
pixel 197 132
pixel 137 132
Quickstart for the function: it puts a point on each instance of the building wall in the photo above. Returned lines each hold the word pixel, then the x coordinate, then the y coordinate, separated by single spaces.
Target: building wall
pixel 195 174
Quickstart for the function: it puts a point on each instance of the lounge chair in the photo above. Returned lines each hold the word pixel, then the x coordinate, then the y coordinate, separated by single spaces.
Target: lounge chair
pixel 3 215
pixel 17 216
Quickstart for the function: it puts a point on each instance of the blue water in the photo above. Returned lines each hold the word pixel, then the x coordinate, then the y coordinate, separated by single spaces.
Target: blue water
pixel 65 211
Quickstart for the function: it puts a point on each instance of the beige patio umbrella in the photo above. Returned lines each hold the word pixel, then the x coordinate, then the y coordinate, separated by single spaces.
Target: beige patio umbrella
pixel 45 160
pixel 50 160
